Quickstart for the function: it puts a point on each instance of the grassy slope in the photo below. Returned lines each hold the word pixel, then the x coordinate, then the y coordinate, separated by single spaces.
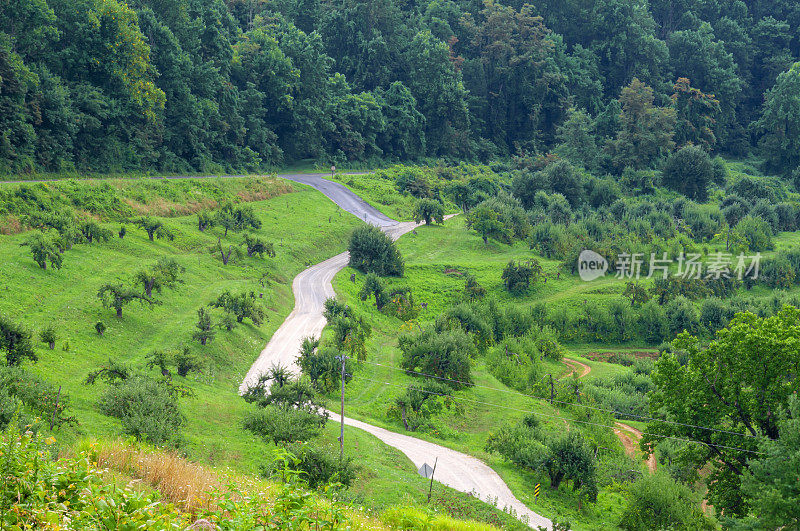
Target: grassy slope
pixel 67 298
pixel 428 254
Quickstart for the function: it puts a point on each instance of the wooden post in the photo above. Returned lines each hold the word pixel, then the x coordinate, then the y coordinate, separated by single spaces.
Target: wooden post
pixel 430 489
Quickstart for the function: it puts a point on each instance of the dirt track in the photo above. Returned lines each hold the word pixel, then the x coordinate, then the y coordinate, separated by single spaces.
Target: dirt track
pixel 311 287
pixel 627 435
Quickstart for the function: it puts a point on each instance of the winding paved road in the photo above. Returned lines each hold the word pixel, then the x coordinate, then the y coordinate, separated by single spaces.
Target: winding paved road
pixel 311 287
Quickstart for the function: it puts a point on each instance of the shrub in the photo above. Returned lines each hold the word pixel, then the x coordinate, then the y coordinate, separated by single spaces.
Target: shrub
pixel 756 233
pixel 658 502
pixel 681 315
pixel 320 464
pixel 517 276
pixel 443 355
pixel 100 328
pixel 15 341
pixel 371 250
pixel 147 408
pixel 38 397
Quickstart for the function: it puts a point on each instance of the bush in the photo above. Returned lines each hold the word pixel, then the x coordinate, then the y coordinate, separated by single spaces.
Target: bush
pixel 443 355
pixel 371 250
pixel 517 276
pixel 756 233
pixel 15 341
pixel 681 315
pixel 147 408
pixel 48 336
pixel 658 502
pixel 321 465
pixel 100 328
pixel 37 396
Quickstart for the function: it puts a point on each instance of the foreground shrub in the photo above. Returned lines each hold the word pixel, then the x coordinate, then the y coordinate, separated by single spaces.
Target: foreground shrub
pixel 148 409
pixel 658 502
pixel 320 464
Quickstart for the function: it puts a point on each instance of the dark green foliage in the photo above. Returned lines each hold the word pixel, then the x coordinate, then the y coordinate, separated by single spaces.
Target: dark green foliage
pixel 373 287
pixel 429 211
pixel 186 362
pixel 236 218
pixel 444 355
pixel 419 402
pixel 517 276
pixel 689 171
pixel 147 408
pixel 91 231
pixel 100 328
pixel 288 410
pixel 488 225
pixel 282 425
pixel 349 81
pixel 15 342
pixel 472 289
pixel 564 458
pixel 350 331
pixel 321 365
pixel 372 251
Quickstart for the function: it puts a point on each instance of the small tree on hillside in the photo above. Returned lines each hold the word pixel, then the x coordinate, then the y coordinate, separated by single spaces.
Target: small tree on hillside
pixel 486 222
pixel 242 306
pixel 226 252
pixel 257 246
pixel 154 228
pixel 429 210
pixel 48 336
pixel 46 247
pixel 636 293
pixel 91 230
pixel 373 251
pixel 15 341
pixel 118 296
pixel 163 274
pixel 204 221
pixel 205 327
pixel 237 218
pixel 373 287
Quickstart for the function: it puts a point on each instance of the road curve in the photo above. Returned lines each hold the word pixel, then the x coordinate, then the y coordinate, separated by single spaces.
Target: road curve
pixel 311 288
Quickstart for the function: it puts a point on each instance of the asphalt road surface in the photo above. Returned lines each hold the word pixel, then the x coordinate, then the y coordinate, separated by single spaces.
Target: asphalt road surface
pixel 311 288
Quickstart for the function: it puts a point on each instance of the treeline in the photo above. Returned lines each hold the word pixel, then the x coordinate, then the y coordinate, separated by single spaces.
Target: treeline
pixel 209 85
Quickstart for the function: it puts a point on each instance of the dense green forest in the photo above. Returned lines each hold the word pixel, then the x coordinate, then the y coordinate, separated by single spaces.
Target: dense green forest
pixel 211 86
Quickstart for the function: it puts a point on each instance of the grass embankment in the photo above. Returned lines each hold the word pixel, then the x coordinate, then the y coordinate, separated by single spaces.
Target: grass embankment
pixel 436 259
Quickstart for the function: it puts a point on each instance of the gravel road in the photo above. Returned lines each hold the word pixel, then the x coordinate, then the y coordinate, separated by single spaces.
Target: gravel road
pixel 311 287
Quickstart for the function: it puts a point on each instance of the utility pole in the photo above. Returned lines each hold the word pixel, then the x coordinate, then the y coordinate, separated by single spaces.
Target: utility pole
pixel 342 358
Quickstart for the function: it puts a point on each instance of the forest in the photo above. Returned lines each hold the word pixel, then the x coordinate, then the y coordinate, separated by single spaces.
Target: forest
pixel 186 86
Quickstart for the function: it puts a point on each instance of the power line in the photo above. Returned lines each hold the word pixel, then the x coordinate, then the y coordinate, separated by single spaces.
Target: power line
pixel 568 419
pixel 641 417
